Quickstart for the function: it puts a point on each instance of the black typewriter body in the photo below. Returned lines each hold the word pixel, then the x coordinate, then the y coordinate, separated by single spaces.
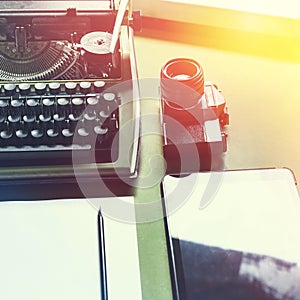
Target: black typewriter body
pixel 69 108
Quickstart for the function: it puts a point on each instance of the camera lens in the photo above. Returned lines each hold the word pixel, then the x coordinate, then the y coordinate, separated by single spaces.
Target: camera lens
pixel 182 83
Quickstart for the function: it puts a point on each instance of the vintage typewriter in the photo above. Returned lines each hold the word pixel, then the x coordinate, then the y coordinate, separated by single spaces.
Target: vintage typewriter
pixel 69 100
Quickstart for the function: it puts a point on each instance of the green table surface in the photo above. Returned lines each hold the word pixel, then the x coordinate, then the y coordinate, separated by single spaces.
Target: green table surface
pixel 263 96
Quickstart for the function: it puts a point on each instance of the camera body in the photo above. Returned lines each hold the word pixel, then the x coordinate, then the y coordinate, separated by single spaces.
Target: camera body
pixel 194 116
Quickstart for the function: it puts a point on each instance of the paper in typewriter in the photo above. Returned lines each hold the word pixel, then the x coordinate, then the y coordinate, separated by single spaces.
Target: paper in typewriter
pixel 245 244
pixel 50 250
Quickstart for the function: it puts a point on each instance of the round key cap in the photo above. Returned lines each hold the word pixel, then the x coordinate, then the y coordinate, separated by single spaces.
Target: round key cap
pixel 52 132
pixel 90 116
pixel 70 87
pixel 6 134
pixel 83 132
pixel 32 102
pixel 59 117
pixel 99 86
pixel 92 101
pixel 21 133
pixel 14 118
pixel 77 101
pixel 100 130
pixel 85 87
pixel 3 103
pixel 16 102
pixel 75 117
pixel 54 88
pixel 62 101
pixel 77 106
pixel 40 88
pixel 37 133
pixel 109 97
pixel 48 102
pixel 103 114
pixel 32 107
pixel 63 107
pixel 24 88
pixel 45 117
pixel 9 89
pixel 67 132
pixel 29 118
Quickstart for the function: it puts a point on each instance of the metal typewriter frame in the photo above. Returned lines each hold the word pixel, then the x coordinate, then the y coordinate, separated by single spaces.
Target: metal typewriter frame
pixel 61 181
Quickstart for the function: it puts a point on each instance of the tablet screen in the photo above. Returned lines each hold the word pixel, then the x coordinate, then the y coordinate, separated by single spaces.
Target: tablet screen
pixel 234 235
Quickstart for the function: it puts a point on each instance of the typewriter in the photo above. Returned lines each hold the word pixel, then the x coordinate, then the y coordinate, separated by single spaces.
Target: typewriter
pixel 69 106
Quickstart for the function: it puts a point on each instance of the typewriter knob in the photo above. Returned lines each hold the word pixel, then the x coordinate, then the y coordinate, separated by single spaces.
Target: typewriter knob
pixel 9 89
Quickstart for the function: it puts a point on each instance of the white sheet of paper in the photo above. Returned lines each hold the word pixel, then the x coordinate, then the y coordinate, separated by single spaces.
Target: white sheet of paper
pixel 49 250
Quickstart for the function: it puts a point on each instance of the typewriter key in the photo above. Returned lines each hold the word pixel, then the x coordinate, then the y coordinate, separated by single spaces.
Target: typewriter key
pixel 70 87
pixel 99 130
pixel 3 103
pixel 6 132
pixel 21 133
pixel 40 88
pixel 90 116
pixel 32 107
pixel 29 118
pixel 13 118
pixel 85 87
pixel 99 86
pixel 83 132
pixel 54 88
pixel 67 132
pixel 53 132
pixel 109 97
pixel 24 88
pixel 59 117
pixel 37 133
pixel 45 117
pixel 62 102
pixel 9 89
pixel 16 103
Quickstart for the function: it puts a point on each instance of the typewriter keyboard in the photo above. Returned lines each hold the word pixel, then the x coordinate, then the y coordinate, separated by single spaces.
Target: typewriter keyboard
pixel 53 119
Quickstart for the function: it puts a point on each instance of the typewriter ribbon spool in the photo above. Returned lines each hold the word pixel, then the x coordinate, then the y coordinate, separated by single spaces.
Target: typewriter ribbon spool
pixel 96 45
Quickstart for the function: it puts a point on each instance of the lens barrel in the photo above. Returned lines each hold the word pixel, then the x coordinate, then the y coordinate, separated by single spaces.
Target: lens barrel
pixel 182 83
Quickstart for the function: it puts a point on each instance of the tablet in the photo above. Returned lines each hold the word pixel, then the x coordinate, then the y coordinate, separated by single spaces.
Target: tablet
pixel 234 234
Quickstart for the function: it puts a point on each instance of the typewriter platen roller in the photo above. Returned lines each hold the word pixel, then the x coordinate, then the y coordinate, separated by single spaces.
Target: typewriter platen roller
pixel 69 108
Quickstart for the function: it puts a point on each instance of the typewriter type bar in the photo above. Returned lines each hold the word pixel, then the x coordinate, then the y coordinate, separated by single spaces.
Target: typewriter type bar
pixel 68 107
